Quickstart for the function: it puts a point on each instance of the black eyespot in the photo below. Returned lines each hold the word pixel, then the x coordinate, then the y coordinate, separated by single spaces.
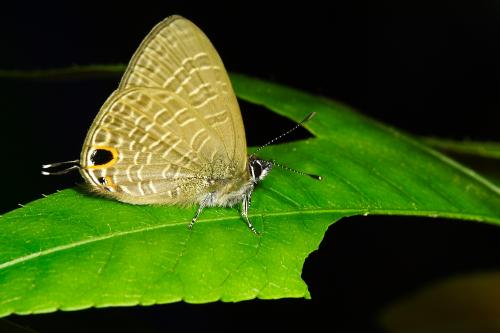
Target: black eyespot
pixel 101 156
pixel 101 180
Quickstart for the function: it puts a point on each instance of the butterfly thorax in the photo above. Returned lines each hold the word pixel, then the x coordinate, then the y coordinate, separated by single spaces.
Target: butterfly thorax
pixel 230 190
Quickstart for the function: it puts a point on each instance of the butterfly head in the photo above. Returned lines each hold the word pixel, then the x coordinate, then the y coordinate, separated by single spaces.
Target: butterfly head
pixel 258 168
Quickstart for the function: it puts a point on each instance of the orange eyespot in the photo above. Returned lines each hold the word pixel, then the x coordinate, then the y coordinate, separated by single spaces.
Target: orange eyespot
pixel 102 157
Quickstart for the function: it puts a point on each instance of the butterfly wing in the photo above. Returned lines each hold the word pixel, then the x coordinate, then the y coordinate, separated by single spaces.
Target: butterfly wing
pixel 178 57
pixel 172 127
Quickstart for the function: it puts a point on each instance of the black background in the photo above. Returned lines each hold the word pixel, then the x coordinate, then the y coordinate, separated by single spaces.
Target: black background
pixel 428 68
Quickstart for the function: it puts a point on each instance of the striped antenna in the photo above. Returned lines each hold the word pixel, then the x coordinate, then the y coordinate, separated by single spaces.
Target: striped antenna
pixel 309 117
pixel 284 167
pixel 287 168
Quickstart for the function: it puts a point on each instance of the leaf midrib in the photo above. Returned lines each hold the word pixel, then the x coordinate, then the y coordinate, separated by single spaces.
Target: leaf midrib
pixel 340 212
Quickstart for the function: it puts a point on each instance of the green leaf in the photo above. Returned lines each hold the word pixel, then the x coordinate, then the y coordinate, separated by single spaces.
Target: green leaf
pixel 483 149
pixel 72 250
pixel 483 157
pixel 373 168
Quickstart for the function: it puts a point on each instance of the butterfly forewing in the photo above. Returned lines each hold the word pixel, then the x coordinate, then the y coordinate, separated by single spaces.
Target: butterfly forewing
pixel 178 57
pixel 173 128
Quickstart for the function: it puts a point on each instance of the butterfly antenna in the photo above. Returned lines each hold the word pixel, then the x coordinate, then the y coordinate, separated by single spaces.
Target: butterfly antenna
pixel 309 116
pixel 284 167
pixel 68 166
pixel 287 168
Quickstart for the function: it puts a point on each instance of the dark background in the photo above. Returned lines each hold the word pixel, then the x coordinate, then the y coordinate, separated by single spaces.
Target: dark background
pixel 428 68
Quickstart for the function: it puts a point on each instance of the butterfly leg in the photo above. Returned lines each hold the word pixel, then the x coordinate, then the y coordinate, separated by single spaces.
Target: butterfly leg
pixel 203 204
pixel 245 204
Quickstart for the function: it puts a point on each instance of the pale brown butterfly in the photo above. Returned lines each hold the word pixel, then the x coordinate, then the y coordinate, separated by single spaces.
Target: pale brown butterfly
pixel 172 132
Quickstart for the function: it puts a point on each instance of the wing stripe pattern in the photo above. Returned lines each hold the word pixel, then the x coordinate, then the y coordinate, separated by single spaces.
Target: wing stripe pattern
pixel 174 120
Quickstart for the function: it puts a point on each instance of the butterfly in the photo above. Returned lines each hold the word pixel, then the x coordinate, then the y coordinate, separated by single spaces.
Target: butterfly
pixel 172 132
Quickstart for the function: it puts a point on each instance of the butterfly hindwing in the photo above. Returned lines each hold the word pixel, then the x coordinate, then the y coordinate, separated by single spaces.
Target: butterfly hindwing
pixel 161 145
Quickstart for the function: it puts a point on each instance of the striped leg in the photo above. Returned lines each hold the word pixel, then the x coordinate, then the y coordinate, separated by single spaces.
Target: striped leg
pixel 203 204
pixel 247 198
